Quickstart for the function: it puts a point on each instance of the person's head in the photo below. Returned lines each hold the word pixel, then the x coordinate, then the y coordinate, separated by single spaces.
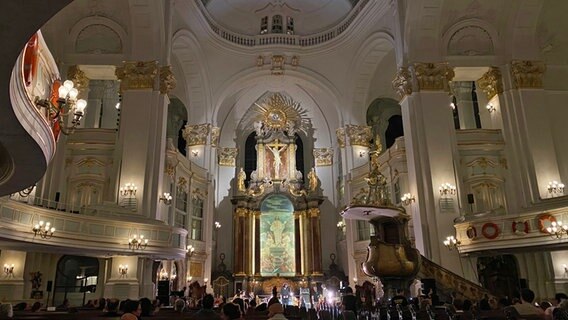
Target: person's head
pixel 527 295
pixel 231 311
pixel 36 306
pixel 6 310
pixel 348 290
pixel 275 309
pixel 179 305
pixel 102 303
pixel 239 302
pixel 559 297
pixel 262 307
pixel 112 305
pixel 208 301
pixel 147 307
pixel 252 303
pixel 545 305
pixel 132 306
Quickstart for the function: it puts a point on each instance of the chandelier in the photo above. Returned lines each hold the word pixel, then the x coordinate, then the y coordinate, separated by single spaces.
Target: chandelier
pixel 66 105
pixel 129 189
pixel 190 250
pixel 557 229
pixel 43 229
pixel 555 187
pixel 452 243
pixel 137 242
pixel 447 188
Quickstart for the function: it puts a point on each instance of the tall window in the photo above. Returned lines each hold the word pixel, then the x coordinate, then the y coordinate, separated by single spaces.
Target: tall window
pixel 250 155
pixel 277 24
pixel 196 218
pixel 264 25
pixel 181 209
pixel 364 230
pixel 289 25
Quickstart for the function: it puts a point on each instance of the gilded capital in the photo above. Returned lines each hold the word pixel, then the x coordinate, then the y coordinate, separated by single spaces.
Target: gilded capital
pixel 215 132
pixel 491 82
pixel 227 157
pixel 323 156
pixel 433 76
pixel 137 75
pixel 195 135
pixel 241 212
pixel 527 74
pixel 78 77
pixel 340 132
pixel 167 80
pixel 402 82
pixel 313 212
pixel 358 135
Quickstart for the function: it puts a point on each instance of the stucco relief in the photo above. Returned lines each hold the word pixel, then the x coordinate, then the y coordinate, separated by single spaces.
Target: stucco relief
pixel 167 80
pixel 358 135
pixel 227 157
pixel 340 132
pixel 196 134
pixel 323 156
pixel 137 75
pixel 215 132
pixel 470 41
pixel 433 76
pixel 402 82
pixel 79 79
pixel 527 74
pixel 491 82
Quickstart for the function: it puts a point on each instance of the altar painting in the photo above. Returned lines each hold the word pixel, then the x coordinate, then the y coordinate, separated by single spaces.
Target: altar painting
pixel 277 237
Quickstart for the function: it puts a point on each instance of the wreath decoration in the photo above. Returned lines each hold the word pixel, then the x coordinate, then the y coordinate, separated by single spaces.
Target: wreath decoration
pixel 542 219
pixel 520 227
pixel 490 230
pixel 471 233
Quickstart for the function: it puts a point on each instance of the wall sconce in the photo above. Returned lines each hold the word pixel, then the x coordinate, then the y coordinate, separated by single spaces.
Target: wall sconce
pixel 453 106
pixel 9 269
pixel 163 275
pixel 123 270
pixel 341 224
pixel 137 243
pixel 490 108
pixel 43 229
pixel 447 188
pixel 555 188
pixel 557 229
pixel 166 198
pixel 195 152
pixel 217 225
pixel 189 278
pixel 67 101
pixel 452 243
pixel 407 199
pixel 362 153
pixel 205 281
pixel 190 250
pixel 129 190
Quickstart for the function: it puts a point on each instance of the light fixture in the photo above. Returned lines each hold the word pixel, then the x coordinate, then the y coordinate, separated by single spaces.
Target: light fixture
pixel 67 101
pixel 163 275
pixel 407 199
pixel 189 278
pixel 453 106
pixel 195 153
pixel 166 198
pixel 447 188
pixel 43 229
pixel 557 229
pixel 555 187
pixel 217 225
pixel 341 224
pixel 452 243
pixel 190 250
pixel 490 108
pixel 137 242
pixel 123 270
pixel 362 153
pixel 206 280
pixel 9 269
pixel 129 189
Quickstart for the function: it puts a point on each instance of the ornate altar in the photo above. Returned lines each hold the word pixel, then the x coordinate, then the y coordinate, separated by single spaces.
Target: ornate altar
pixel 276 217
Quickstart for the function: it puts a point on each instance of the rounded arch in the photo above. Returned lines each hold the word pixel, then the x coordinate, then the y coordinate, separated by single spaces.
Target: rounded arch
pixel 370 54
pixel 479 25
pixel 187 51
pixel 75 274
pixel 84 23
pixel 381 116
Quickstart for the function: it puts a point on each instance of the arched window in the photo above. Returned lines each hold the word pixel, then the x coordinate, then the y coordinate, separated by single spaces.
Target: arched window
pixel 289 25
pixel 250 155
pixel 75 277
pixel 277 24
pixel 394 130
pixel 300 155
pixel 264 25
pixel 277 240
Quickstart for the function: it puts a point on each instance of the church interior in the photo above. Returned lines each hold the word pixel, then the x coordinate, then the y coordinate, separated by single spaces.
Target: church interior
pixel 151 147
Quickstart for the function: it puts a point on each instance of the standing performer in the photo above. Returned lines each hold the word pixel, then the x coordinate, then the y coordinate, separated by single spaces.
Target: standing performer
pixel 285 294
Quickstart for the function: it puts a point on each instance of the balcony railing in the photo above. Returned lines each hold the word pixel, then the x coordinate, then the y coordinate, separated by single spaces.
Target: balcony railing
pixel 283 39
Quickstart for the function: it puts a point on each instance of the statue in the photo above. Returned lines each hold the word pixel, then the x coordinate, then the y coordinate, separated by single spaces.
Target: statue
pixel 258 128
pixel 277 228
pixel 241 180
pixel 276 150
pixel 312 180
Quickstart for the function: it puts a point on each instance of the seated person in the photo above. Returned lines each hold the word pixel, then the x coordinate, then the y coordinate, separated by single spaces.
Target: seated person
pixel 111 309
pixel 526 307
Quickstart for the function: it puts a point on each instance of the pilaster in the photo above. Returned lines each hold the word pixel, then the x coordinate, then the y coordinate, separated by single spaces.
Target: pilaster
pixel 125 284
pixel 12 284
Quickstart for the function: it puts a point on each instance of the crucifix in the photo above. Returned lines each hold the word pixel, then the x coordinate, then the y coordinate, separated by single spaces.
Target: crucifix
pixel 276 149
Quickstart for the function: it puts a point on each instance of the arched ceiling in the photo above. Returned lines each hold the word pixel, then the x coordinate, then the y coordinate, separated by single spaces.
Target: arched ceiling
pixel 243 16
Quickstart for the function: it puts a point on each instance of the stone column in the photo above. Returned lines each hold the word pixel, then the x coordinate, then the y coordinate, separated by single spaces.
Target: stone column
pixel 314 214
pixel 306 243
pixel 298 242
pixel 239 218
pixel 124 285
pixel 430 145
pixel 257 243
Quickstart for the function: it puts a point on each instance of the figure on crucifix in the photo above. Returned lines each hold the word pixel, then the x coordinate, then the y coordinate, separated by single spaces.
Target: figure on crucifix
pixel 276 150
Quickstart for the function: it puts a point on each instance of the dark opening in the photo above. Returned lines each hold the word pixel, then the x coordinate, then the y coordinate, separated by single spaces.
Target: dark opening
pixel 250 155
pixel 300 155
pixel 181 145
pixel 475 106
pixel 455 113
pixel 394 130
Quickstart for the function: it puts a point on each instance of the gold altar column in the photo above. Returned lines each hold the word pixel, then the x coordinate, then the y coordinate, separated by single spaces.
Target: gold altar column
pixel 315 233
pixel 298 242
pixel 257 243
pixel 306 245
pixel 248 242
pixel 239 218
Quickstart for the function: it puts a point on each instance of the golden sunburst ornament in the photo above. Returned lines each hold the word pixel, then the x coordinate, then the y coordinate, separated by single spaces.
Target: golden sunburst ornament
pixel 277 111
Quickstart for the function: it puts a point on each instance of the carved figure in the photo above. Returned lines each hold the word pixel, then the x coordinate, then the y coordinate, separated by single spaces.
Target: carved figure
pixel 241 180
pixel 312 180
pixel 258 128
pixel 276 150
